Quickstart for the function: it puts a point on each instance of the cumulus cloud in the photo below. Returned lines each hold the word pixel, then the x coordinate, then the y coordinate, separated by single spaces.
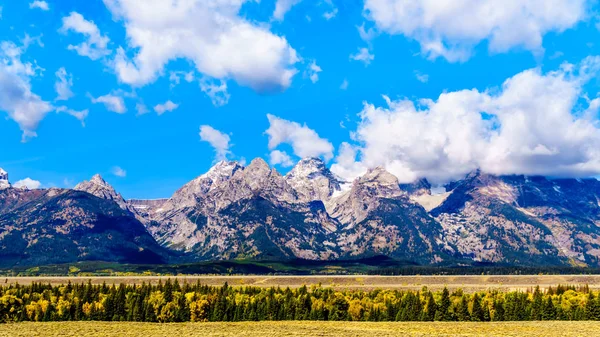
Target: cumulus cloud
pixel 217 139
pixel 119 172
pixel 282 7
pixel 216 91
pixel 304 141
pixel 211 34
pixel 28 183
pixel 16 98
pixel 451 29
pixel 112 103
pixel 95 45
pixel 534 124
pixel 167 106
pixel 363 55
pixel 63 84
pixel 43 5
pixel 313 71
pixel 277 157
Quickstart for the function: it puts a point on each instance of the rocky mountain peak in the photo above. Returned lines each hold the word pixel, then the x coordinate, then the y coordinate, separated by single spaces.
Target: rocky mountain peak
pixel 98 187
pixel 258 165
pixel 313 180
pixel 98 180
pixel 308 166
pixel 379 178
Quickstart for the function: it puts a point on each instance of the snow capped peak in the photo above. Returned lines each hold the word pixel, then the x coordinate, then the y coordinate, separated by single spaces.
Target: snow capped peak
pixel 4 184
pixel 313 180
pixel 307 167
pixel 222 169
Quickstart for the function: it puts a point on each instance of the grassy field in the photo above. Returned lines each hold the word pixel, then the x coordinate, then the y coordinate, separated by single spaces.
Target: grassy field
pixel 465 282
pixel 293 328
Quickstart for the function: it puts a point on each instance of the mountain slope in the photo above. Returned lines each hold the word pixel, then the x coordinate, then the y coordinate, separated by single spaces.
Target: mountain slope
pixel 60 226
pixel 521 220
pixel 240 212
pixel 379 218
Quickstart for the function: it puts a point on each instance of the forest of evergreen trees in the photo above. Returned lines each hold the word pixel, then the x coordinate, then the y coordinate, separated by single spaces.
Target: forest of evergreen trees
pixel 172 302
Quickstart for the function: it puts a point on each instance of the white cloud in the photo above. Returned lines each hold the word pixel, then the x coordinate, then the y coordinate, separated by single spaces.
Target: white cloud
pixel 217 92
pixel 119 172
pixel 16 97
pixel 80 115
pixel 331 14
pixel 175 77
pixel 366 34
pixel 141 108
pixel 168 106
pixel 423 78
pixel 63 84
pixel 28 183
pixel 451 29
pixel 277 157
pixel 304 141
pixel 363 55
pixel 211 34
pixel 346 165
pixel 282 7
pixel 534 124
pixel 217 139
pixel 313 71
pixel 112 103
pixel 43 5
pixel 29 40
pixel 344 84
pixel 95 46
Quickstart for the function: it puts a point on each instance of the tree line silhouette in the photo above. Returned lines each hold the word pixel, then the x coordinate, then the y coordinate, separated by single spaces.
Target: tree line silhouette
pixel 172 302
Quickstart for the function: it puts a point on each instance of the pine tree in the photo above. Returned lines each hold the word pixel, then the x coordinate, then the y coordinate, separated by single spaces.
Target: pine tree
pixel 536 305
pixel 548 310
pixel 443 309
pixel 477 311
pixel 462 310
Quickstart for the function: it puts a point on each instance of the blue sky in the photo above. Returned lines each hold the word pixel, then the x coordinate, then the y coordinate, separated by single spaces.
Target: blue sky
pixel 511 88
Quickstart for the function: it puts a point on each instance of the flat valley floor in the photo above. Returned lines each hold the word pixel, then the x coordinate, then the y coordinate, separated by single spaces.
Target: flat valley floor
pixel 467 283
pixel 296 328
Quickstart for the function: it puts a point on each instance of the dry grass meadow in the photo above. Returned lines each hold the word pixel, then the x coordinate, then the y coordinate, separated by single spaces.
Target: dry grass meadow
pixel 468 283
pixel 295 328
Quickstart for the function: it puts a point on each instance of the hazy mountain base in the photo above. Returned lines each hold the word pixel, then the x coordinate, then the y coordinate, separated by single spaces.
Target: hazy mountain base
pixel 379 265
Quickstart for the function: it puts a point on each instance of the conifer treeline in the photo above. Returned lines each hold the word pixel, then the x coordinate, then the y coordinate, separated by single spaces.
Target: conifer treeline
pixel 172 302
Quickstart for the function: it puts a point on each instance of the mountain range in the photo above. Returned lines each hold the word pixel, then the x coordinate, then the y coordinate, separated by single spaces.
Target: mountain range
pixel 254 212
